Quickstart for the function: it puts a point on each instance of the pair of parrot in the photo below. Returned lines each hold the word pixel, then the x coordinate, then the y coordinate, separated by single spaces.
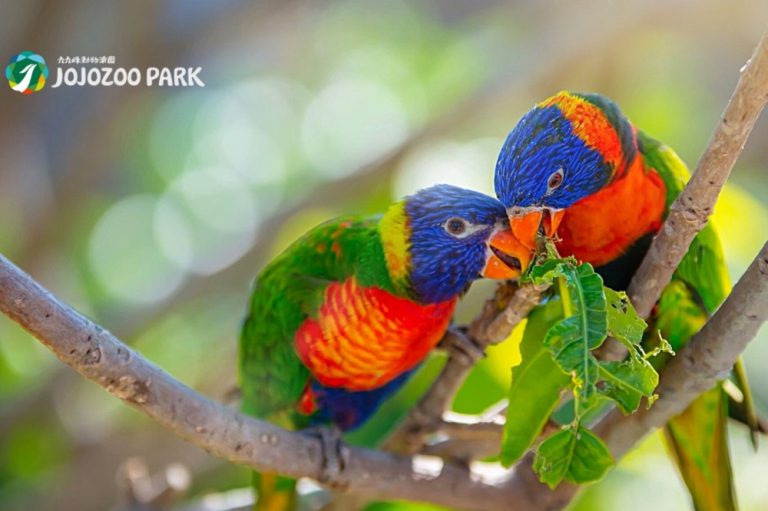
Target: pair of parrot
pixel 339 320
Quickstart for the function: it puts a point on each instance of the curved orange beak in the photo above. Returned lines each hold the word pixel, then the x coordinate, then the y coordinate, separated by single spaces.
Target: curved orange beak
pixel 508 258
pixel 525 225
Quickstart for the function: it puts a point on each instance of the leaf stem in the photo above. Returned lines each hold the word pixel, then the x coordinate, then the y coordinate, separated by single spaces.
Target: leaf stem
pixel 565 297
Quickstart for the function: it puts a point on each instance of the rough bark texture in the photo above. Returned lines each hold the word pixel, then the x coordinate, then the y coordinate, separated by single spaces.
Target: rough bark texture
pixel 690 211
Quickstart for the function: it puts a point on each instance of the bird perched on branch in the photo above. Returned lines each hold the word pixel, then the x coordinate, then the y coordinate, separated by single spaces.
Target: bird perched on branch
pixel 338 321
pixel 575 167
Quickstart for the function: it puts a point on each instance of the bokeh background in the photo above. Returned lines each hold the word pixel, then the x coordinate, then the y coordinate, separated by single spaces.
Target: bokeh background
pixel 151 209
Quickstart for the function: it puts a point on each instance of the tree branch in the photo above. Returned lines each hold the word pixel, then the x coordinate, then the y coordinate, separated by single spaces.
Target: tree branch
pixel 465 438
pixel 99 356
pixel 690 211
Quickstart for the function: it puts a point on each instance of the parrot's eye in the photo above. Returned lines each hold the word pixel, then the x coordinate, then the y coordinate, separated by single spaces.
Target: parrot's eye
pixel 455 226
pixel 555 180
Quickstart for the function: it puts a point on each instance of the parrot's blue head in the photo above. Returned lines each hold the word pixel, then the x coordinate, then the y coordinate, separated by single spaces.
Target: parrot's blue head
pixel 565 149
pixel 440 239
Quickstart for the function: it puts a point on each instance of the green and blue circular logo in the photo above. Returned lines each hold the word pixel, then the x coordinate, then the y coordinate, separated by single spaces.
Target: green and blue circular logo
pixel 26 72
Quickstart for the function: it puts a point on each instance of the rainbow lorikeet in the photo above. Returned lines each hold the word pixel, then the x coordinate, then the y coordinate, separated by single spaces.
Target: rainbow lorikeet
pixel 341 317
pixel 575 167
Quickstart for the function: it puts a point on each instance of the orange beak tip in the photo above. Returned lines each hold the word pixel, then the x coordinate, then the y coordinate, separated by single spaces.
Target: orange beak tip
pixel 509 257
pixel 553 222
pixel 496 269
pixel 526 227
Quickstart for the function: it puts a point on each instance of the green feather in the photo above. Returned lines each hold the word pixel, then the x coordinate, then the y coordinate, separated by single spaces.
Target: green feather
pixel 703 267
pixel 288 291
pixel 697 437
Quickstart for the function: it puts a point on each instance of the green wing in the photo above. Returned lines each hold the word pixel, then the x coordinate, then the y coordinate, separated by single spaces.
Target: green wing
pixel 697 438
pixel 703 267
pixel 290 289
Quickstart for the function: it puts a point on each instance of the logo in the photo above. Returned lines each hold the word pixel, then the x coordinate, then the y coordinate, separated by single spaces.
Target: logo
pixel 26 72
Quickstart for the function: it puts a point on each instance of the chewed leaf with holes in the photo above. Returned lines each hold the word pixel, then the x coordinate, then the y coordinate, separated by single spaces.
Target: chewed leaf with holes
pixel 624 324
pixel 628 382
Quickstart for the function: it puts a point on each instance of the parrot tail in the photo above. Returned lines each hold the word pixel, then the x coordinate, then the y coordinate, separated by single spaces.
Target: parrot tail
pixel 698 440
pixel 274 492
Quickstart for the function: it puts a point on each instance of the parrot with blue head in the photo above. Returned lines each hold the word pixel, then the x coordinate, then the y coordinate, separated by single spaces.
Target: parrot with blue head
pixel 338 321
pixel 575 168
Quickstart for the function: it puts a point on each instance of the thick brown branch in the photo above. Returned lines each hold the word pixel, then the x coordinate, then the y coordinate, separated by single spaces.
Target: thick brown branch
pixel 99 356
pixel 690 211
pixel 499 316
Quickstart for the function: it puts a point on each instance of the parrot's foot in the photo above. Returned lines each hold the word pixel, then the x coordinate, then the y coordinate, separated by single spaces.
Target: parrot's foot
pixel 335 456
pixel 461 346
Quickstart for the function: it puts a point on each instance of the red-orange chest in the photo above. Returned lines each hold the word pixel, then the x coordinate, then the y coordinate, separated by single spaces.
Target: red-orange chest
pixel 362 338
pixel 601 227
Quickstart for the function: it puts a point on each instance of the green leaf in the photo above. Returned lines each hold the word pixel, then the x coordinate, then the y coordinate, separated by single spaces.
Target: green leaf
pixel 591 458
pixel 554 457
pixel 577 455
pixel 546 272
pixel 536 385
pixel 624 324
pixel 533 396
pixel 572 339
pixel 628 382
pixel 572 354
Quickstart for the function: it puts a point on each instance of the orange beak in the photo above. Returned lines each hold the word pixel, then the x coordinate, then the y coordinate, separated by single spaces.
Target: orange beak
pixel 509 258
pixel 525 225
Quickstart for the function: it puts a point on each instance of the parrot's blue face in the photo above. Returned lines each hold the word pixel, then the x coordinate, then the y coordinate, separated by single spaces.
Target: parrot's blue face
pixel 544 164
pixel 564 150
pixel 456 236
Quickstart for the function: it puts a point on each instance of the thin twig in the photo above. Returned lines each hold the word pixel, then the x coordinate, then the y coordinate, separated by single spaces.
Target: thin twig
pixel 466 438
pixel 466 429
